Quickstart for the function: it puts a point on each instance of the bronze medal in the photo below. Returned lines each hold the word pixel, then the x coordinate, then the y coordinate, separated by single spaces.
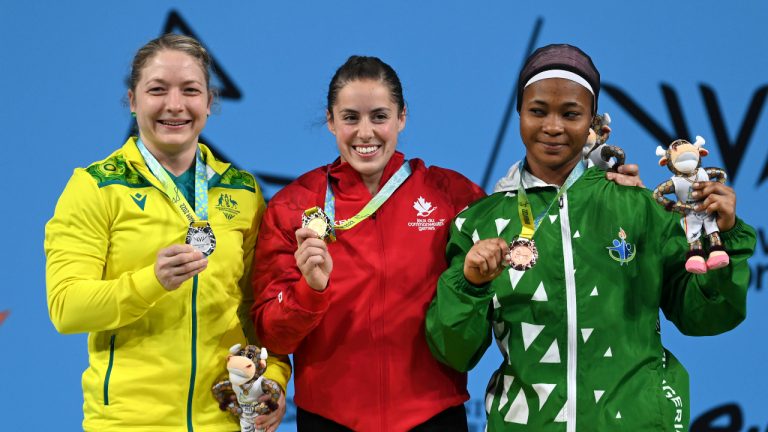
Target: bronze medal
pixel 522 254
pixel 200 236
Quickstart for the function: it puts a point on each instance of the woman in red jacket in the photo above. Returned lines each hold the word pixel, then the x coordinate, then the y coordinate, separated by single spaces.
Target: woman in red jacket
pixel 352 310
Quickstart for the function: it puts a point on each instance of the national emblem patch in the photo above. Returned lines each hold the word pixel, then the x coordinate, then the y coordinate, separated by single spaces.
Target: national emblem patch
pixel 622 251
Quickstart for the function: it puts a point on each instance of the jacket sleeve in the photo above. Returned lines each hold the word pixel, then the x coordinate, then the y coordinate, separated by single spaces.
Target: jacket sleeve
pixel 458 324
pixel 286 308
pixel 76 244
pixel 715 302
pixel 278 365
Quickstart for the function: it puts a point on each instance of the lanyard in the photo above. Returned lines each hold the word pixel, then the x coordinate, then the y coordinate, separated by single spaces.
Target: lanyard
pixel 524 209
pixel 381 197
pixel 172 191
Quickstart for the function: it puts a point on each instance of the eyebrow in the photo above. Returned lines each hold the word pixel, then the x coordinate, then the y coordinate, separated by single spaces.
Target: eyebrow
pixel 354 111
pixel 162 81
pixel 566 104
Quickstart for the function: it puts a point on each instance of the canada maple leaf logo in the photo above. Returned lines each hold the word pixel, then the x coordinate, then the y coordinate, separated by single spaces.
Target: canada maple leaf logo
pixel 3 315
pixel 423 207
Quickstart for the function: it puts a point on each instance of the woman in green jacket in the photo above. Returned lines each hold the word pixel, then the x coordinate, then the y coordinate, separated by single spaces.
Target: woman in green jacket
pixel 575 314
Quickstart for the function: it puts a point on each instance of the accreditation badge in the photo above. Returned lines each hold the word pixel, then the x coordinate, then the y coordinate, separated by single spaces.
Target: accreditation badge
pixel 200 236
pixel 316 220
pixel 522 254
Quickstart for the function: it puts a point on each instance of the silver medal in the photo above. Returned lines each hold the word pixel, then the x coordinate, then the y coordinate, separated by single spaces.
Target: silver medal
pixel 200 236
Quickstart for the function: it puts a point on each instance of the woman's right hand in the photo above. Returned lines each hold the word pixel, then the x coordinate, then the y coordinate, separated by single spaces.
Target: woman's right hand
pixel 313 259
pixel 178 263
pixel 485 260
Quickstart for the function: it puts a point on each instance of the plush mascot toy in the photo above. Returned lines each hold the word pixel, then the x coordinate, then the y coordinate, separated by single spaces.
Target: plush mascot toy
pixel 240 394
pixel 596 151
pixel 684 160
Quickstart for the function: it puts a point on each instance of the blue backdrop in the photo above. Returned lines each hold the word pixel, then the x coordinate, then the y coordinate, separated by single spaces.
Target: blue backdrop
pixel 670 69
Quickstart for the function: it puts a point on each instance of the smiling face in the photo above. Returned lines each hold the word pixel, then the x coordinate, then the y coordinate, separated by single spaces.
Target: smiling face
pixel 171 101
pixel 555 117
pixel 366 123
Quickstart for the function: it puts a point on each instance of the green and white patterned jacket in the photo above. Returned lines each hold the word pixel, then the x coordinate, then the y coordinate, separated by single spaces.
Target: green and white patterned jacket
pixel 579 332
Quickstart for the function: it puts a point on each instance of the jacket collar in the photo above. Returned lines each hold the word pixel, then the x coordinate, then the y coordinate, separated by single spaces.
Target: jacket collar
pixel 511 181
pixel 350 182
pixel 134 157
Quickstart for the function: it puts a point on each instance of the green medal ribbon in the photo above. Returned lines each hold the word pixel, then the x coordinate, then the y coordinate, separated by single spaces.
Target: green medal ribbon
pixel 524 209
pixel 381 197
pixel 200 211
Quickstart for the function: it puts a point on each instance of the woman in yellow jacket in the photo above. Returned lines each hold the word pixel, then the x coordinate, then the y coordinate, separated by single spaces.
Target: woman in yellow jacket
pixel 148 251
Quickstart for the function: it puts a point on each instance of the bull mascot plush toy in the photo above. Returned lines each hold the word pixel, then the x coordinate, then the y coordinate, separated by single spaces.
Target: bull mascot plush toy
pixel 596 152
pixel 684 160
pixel 241 393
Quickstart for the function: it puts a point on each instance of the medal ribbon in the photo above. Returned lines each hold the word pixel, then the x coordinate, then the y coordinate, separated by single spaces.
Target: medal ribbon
pixel 381 197
pixel 524 209
pixel 172 191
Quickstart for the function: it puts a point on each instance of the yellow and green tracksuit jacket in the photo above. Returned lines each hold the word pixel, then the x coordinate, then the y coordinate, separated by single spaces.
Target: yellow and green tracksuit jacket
pixel 579 332
pixel 153 354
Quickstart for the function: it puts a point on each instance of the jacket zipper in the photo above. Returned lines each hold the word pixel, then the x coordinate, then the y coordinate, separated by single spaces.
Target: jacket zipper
pixel 570 301
pixel 193 353
pixel 384 359
pixel 109 368
pixel 193 349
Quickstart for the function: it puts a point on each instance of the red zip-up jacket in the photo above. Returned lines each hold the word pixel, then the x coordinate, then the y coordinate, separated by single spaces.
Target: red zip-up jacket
pixel 360 353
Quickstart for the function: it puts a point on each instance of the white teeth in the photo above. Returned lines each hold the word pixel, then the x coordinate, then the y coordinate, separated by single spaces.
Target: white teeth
pixel 173 123
pixel 366 150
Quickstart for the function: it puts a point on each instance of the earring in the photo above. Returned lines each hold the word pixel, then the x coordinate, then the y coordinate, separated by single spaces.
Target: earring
pixel 133 114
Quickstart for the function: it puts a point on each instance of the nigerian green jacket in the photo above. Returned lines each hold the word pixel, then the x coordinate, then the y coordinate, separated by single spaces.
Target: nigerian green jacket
pixel 153 354
pixel 579 332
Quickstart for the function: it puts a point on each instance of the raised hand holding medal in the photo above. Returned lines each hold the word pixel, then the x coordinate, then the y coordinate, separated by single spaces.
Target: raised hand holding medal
pixel 177 263
pixel 318 228
pixel 523 254
pixel 199 234
pixel 488 258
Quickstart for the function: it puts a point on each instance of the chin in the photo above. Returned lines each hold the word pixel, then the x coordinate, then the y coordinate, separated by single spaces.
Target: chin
pixel 369 168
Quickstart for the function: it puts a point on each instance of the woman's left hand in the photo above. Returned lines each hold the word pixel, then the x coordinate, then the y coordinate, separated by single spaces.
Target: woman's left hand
pixel 627 175
pixel 716 198
pixel 270 422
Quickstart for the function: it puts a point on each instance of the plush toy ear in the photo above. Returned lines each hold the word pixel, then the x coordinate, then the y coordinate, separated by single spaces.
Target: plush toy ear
pixel 663 161
pixel 703 152
pixel 662 154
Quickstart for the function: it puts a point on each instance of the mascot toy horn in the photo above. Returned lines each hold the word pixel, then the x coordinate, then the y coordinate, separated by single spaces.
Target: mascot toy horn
pixel 596 152
pixel 684 160
pixel 241 393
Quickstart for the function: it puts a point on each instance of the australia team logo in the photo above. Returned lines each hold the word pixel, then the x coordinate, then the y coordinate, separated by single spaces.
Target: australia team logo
pixel 227 206
pixel 622 251
pixel 424 220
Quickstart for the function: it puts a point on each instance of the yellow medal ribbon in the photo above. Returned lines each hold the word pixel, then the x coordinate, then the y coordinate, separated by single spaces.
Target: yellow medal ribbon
pixel 524 209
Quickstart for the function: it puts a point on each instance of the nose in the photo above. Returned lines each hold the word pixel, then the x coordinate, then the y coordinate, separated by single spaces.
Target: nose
pixel 173 101
pixel 552 125
pixel 365 130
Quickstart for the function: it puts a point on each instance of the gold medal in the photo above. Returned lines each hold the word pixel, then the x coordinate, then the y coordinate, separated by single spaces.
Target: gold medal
pixel 522 254
pixel 316 220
